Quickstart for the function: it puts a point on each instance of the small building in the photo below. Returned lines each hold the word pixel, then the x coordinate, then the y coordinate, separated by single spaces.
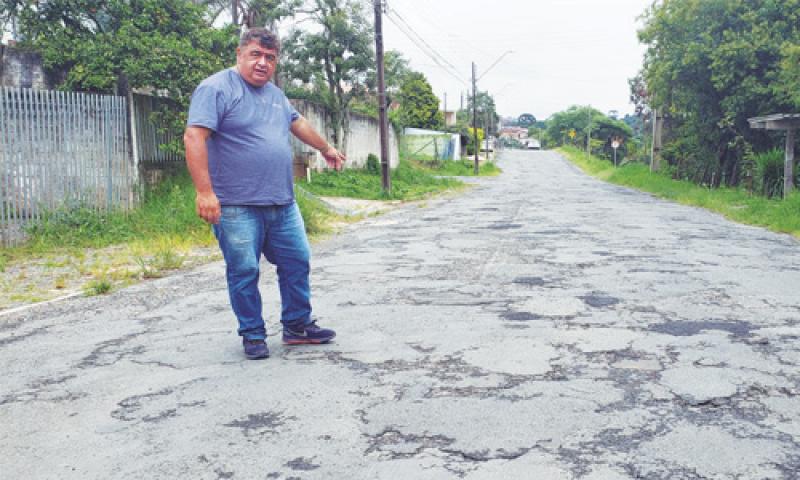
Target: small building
pixel 432 143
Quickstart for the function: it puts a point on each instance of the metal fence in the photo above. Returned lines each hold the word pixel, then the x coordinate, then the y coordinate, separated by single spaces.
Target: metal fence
pixel 147 136
pixel 61 150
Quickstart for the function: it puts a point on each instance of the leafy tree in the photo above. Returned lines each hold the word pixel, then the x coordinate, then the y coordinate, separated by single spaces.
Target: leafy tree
pixel 589 124
pixel 487 112
pixel 395 72
pixel 789 83
pixel 419 107
pixel 109 46
pixel 250 13
pixel 333 59
pixel 712 64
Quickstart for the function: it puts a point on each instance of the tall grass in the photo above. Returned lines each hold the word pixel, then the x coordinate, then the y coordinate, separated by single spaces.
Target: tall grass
pixel 461 168
pixel 735 204
pixel 409 182
pixel 769 172
pixel 167 210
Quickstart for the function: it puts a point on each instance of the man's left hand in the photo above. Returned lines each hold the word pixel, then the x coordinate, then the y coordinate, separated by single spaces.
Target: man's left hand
pixel 334 158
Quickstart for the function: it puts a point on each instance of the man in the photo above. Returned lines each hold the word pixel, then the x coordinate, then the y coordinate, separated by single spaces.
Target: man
pixel 240 160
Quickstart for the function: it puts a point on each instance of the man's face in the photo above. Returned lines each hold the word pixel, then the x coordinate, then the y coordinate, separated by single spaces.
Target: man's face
pixel 255 63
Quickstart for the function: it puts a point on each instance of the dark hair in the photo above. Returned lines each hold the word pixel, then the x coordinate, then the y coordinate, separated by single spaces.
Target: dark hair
pixel 264 37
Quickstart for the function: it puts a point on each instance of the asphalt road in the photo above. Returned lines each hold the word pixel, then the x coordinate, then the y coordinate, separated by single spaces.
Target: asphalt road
pixel 543 325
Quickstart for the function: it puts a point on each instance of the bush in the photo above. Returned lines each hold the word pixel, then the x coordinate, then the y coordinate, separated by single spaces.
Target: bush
pixel 769 172
pixel 373 164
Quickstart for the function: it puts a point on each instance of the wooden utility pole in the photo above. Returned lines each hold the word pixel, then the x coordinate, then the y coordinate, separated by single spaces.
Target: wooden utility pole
pixel 386 181
pixel 475 117
pixel 655 151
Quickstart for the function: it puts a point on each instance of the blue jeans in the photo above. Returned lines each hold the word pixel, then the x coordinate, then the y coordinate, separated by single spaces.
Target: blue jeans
pixel 277 232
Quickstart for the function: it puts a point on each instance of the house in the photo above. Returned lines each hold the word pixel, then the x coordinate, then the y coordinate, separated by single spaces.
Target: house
pixel 513 133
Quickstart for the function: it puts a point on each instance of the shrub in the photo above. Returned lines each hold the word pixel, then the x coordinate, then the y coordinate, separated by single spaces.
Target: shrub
pixel 769 172
pixel 373 165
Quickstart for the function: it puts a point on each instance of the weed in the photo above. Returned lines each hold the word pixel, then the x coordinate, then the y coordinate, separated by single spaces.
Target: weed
pixel 168 259
pixel 462 168
pixel 98 286
pixel 409 182
pixel 61 282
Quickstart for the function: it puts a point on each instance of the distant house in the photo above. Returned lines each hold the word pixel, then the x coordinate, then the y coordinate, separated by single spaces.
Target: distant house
pixel 449 118
pixel 513 133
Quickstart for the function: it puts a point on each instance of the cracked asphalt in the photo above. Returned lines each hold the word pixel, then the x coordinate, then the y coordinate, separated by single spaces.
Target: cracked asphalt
pixel 543 325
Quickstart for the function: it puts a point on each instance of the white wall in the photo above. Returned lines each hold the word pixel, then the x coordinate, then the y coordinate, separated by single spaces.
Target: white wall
pixel 363 139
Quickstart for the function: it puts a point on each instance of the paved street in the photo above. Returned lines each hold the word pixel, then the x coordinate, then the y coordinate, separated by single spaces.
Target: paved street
pixel 542 325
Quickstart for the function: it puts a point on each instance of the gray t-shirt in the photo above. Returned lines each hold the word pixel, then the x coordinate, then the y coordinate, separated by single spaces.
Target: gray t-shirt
pixel 249 153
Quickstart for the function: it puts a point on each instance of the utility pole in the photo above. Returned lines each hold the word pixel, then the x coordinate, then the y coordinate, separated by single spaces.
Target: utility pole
pixel 475 118
pixel 386 181
pixel 589 134
pixel 486 135
pixel 655 151
pixel 445 109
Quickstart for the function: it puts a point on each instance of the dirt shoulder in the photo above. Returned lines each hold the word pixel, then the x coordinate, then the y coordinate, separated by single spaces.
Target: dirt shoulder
pixel 74 272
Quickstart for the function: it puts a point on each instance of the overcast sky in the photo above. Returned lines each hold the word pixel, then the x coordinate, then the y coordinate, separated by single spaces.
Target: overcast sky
pixel 565 52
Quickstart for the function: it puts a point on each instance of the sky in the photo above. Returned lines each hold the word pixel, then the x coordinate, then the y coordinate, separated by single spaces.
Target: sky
pixel 563 52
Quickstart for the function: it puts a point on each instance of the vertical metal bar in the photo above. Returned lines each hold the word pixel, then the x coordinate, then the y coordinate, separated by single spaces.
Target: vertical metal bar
pixel 12 157
pixel 66 143
pixel 95 131
pixel 103 100
pixel 39 159
pixel 70 132
pixel 788 166
pixel 26 161
pixel 4 145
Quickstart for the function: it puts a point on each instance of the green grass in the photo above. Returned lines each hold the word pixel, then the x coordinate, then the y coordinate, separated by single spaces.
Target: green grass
pixel 736 204
pixel 462 168
pixel 316 216
pixel 167 211
pixel 409 182
pixel 97 287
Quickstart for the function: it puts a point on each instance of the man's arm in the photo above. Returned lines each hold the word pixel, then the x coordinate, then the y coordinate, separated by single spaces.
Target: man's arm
pixel 206 201
pixel 302 129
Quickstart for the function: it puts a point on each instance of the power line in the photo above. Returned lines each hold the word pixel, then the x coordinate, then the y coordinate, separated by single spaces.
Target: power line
pixel 423 45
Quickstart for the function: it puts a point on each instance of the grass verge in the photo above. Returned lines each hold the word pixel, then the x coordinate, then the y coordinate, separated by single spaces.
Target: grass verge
pixel 409 182
pixel 736 204
pixel 461 168
pixel 78 250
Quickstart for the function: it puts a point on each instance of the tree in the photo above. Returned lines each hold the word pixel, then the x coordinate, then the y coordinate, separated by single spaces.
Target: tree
pixel 789 81
pixel 589 124
pixel 395 72
pixel 419 107
pixel 112 46
pixel 709 66
pixel 250 13
pixel 487 113
pixel 334 60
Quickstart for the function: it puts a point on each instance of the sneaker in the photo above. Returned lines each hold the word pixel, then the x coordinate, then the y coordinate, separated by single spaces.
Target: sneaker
pixel 255 349
pixel 311 333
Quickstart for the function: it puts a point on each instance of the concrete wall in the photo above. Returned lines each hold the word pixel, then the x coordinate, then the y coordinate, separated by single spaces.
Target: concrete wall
pixel 364 138
pixel 21 69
